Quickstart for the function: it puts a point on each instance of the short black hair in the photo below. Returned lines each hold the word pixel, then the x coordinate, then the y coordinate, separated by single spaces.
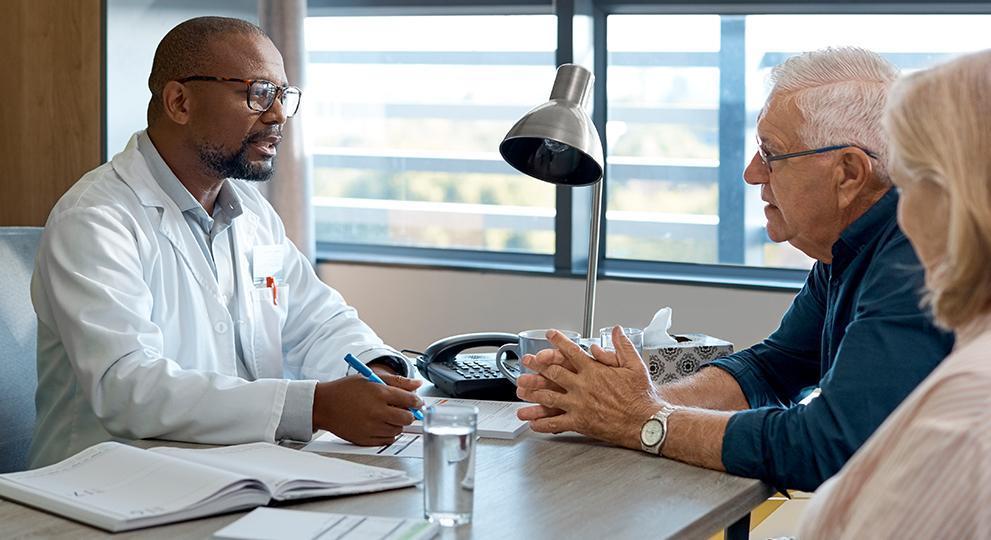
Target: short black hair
pixel 183 52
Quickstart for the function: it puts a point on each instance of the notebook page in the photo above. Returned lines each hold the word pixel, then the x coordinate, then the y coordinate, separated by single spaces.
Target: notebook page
pixel 123 483
pixel 276 465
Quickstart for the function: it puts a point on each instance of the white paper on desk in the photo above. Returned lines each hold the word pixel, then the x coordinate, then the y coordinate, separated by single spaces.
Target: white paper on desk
pixel 496 419
pixel 278 524
pixel 407 445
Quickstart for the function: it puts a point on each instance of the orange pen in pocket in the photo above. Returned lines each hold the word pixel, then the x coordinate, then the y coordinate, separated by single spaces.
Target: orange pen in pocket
pixel 270 283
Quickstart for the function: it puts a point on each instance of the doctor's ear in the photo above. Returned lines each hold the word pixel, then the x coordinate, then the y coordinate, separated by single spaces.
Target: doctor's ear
pixel 175 102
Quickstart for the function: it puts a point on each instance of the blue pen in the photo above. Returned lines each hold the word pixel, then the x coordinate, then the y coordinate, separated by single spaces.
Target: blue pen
pixel 371 376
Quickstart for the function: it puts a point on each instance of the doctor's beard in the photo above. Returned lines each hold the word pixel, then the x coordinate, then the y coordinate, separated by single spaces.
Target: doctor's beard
pixel 236 164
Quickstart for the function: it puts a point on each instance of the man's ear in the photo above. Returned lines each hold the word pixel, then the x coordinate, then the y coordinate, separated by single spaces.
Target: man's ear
pixel 175 102
pixel 854 172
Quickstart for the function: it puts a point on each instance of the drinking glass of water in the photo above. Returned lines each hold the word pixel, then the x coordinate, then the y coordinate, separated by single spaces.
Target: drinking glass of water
pixel 449 463
pixel 635 335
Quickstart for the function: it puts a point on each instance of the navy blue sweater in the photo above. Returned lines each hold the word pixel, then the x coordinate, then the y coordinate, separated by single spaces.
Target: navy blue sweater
pixel 856 331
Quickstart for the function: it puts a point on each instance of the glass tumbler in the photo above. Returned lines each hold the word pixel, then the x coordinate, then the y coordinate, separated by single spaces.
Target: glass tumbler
pixel 449 463
pixel 634 334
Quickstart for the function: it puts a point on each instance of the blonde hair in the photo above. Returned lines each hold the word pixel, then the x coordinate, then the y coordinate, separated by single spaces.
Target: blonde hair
pixel 938 120
pixel 841 92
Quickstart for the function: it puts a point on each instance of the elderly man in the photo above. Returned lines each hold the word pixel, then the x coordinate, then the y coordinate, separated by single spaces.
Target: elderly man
pixel 170 302
pixel 855 330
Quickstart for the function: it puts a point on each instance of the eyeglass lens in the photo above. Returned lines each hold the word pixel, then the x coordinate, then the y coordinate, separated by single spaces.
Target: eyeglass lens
pixel 261 96
pixel 763 155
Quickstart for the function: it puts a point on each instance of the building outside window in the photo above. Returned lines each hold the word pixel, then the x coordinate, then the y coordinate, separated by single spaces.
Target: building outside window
pixel 404 118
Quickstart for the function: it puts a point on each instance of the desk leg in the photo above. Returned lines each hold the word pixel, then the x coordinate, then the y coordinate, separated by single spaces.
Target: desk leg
pixel 739 530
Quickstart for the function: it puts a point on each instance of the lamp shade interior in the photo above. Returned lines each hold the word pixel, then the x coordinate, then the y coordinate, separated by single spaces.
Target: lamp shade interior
pixel 550 161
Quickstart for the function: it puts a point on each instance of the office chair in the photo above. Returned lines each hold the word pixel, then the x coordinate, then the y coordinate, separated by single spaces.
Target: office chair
pixel 18 339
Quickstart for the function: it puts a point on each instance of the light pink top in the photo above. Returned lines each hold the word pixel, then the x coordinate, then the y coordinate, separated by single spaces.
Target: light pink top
pixel 926 472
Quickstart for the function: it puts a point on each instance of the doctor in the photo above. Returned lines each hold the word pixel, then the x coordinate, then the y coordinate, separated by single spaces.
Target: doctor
pixel 170 302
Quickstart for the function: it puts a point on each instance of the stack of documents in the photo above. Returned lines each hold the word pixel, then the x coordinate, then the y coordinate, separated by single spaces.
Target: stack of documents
pixel 118 487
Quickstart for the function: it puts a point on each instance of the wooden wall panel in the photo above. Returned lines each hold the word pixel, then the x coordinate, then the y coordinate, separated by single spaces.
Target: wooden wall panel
pixel 51 113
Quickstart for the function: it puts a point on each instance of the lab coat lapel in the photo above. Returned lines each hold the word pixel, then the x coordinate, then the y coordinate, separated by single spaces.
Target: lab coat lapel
pixel 131 167
pixel 244 234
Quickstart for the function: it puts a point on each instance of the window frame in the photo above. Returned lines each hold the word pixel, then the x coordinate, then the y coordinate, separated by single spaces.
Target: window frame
pixel 573 205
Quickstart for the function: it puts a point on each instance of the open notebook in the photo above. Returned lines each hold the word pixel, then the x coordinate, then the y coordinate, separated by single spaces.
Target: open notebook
pixel 118 487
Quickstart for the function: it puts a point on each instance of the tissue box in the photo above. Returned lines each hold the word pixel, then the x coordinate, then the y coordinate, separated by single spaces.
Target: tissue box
pixel 673 362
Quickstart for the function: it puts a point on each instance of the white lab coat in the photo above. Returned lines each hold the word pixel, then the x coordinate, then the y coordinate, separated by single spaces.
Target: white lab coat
pixel 135 339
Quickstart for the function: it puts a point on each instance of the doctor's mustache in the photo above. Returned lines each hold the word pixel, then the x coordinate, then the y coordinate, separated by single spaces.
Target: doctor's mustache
pixel 275 131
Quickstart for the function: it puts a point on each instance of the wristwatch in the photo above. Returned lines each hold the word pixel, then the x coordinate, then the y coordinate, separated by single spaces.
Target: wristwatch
pixel 393 363
pixel 655 430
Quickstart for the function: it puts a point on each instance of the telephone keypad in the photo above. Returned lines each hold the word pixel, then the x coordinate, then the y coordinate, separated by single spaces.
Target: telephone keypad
pixel 473 366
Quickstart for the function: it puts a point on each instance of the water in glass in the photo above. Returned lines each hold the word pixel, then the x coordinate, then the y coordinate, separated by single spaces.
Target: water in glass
pixel 449 467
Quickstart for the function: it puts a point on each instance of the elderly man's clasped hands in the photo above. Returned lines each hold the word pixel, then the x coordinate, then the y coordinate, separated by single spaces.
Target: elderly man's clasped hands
pixel 602 394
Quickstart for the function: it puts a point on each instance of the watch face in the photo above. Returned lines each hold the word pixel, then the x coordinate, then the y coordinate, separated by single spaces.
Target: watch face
pixel 652 432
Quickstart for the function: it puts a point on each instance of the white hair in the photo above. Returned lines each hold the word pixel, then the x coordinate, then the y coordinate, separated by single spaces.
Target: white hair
pixel 841 93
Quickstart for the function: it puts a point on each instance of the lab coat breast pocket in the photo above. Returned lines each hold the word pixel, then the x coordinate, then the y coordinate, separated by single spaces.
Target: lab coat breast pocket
pixel 270 318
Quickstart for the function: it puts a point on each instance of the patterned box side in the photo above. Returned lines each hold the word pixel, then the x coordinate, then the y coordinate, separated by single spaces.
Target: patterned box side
pixel 667 364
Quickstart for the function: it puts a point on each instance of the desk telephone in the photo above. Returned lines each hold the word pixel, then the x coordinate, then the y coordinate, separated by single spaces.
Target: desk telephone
pixel 471 375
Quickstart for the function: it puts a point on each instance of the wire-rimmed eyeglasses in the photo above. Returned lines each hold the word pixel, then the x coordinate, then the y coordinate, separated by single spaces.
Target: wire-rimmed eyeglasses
pixel 261 93
pixel 767 158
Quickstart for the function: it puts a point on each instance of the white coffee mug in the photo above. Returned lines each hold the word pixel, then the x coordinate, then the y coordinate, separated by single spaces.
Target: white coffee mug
pixel 531 342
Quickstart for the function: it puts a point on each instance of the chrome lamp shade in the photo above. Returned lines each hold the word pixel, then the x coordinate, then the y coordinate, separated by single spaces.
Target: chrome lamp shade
pixel 557 143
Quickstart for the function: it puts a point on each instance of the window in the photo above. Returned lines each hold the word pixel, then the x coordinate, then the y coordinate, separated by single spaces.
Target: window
pixel 406 103
pixel 662 202
pixel 404 116
pixel 684 92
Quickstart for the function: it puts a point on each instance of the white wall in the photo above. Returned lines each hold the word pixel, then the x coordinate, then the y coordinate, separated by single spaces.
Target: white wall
pixel 410 308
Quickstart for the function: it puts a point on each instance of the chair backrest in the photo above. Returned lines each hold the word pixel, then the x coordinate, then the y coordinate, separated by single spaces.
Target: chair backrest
pixel 18 345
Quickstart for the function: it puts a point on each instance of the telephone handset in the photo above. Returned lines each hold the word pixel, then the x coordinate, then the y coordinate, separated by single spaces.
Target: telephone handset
pixel 463 374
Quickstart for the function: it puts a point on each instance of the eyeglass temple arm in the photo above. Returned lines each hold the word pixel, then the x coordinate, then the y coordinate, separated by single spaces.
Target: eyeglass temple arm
pixel 820 151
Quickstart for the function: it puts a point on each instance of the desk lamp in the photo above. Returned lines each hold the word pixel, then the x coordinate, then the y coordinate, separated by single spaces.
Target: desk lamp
pixel 557 143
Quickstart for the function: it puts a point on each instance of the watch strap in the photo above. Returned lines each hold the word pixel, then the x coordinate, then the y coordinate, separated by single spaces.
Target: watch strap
pixel 393 363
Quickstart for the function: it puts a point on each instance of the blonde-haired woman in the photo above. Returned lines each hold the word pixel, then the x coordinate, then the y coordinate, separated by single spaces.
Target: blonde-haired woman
pixel 926 473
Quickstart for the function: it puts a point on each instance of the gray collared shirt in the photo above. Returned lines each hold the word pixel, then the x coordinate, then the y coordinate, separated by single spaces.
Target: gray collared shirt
pixel 215 236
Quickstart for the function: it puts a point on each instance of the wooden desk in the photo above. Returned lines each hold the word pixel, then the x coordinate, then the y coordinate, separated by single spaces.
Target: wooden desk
pixel 536 486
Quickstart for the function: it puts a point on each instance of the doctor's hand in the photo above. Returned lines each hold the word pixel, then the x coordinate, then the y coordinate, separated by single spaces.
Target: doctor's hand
pixel 606 395
pixel 363 412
